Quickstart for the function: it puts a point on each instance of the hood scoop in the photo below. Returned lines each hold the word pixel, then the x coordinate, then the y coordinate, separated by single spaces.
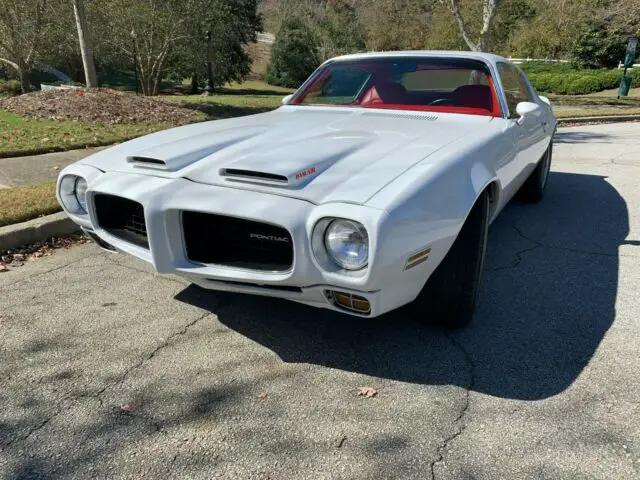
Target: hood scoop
pixel 178 154
pixel 251 175
pixel 147 162
pixel 296 164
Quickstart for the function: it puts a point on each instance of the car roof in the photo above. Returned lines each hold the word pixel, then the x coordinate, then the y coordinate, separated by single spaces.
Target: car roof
pixel 487 57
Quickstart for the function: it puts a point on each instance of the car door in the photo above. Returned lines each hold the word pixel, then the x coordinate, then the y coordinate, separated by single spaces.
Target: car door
pixel 527 134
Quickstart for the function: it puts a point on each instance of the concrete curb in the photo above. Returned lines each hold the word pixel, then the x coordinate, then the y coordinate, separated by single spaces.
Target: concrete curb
pixel 605 119
pixel 34 231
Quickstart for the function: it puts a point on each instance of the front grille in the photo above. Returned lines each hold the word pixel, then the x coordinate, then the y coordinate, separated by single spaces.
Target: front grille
pixel 235 242
pixel 122 218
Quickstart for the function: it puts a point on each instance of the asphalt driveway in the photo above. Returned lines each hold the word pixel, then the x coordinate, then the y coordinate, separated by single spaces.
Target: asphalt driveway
pixel 107 370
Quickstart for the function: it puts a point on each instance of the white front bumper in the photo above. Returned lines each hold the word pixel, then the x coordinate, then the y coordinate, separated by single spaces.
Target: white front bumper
pixel 383 282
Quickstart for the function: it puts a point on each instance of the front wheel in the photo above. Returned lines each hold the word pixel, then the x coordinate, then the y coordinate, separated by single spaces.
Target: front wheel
pixel 450 295
pixel 532 190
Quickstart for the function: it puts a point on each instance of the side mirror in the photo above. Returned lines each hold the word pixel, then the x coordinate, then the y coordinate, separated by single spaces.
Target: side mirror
pixel 285 100
pixel 527 109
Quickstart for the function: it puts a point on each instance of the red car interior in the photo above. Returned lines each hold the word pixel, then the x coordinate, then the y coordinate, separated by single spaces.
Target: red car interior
pixel 384 91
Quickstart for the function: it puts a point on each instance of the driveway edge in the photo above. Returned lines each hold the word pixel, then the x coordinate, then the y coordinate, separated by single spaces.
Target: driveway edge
pixel 37 230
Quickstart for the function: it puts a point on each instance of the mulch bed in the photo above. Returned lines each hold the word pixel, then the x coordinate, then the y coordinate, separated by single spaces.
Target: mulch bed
pixel 97 105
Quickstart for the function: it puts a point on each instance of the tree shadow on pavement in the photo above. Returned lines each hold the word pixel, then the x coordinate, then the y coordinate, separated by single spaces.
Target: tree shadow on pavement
pixel 548 299
pixel 567 135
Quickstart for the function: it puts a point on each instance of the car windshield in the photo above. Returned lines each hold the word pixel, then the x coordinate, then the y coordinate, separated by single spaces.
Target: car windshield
pixel 455 85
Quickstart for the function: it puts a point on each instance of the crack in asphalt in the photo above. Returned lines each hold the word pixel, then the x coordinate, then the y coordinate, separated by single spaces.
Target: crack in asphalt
pixel 154 352
pixel 98 394
pixel 538 244
pixel 566 249
pixel 460 418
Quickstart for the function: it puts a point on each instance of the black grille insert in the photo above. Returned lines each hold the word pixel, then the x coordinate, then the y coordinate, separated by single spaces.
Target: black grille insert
pixel 235 242
pixel 122 218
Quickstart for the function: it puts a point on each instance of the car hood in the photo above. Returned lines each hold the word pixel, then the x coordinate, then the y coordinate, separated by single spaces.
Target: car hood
pixel 317 154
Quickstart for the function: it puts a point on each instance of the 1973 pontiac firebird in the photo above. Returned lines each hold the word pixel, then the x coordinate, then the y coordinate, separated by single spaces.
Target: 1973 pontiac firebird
pixel 372 187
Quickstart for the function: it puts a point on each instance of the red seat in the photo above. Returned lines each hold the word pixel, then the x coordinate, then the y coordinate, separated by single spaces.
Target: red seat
pixel 474 96
pixel 392 93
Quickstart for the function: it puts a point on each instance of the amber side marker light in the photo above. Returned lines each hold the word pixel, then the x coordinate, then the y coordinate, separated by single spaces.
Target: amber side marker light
pixel 417 258
pixel 349 301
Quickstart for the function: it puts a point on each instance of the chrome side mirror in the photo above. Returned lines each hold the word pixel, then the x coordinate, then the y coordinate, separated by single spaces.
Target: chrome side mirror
pixel 287 99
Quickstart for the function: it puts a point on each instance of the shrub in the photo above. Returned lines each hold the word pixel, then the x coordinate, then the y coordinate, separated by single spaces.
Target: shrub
pixel 10 88
pixel 546 67
pixel 584 85
pixel 294 55
pixel 580 82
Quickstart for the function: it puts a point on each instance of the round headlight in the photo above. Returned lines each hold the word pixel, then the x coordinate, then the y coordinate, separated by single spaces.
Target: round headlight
pixel 81 192
pixel 347 244
pixel 73 194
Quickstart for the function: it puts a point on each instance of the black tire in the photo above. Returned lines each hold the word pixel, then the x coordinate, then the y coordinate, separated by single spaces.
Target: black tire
pixel 532 190
pixel 450 295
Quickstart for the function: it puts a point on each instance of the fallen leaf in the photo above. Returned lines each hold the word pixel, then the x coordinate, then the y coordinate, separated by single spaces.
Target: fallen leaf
pixel 367 392
pixel 127 408
pixel 263 395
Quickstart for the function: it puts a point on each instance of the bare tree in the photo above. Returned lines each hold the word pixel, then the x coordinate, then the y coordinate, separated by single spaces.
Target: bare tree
pixel 86 46
pixel 147 31
pixel 488 13
pixel 23 25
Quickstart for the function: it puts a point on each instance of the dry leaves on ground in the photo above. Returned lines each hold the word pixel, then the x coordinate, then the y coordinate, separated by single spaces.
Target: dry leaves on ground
pixel 97 105
pixel 367 392
pixel 17 256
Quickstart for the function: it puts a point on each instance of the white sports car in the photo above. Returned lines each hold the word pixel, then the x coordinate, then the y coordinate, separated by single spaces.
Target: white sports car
pixel 371 188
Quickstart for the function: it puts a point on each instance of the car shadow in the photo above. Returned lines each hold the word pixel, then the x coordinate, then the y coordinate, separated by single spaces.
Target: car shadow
pixel 548 299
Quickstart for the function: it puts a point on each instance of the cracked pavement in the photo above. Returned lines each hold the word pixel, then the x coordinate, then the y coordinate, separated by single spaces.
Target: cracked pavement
pixel 109 370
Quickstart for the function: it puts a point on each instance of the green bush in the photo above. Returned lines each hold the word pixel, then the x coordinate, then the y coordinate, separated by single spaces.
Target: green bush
pixel 294 55
pixel 546 67
pixel 580 82
pixel 10 87
pixel 583 85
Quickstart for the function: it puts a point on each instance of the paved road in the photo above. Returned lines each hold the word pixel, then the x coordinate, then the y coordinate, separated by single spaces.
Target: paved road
pixel 109 370
pixel 31 169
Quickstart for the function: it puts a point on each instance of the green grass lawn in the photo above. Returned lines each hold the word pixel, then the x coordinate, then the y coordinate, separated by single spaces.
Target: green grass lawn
pixel 234 100
pixel 21 136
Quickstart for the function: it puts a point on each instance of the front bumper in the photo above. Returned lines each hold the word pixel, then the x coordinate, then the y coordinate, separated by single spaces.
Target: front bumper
pixel 384 282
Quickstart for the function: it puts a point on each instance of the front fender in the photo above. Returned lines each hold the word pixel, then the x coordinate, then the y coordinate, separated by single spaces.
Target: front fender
pixel 427 207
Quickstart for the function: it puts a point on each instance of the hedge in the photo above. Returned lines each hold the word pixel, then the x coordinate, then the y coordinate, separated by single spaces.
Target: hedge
pixel 580 82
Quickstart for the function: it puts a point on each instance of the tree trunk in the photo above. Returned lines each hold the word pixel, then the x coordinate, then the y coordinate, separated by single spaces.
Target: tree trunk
pixel 86 48
pixel 194 84
pixel 25 84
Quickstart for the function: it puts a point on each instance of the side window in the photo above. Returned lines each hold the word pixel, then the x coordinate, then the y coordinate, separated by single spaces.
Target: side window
pixel 515 88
